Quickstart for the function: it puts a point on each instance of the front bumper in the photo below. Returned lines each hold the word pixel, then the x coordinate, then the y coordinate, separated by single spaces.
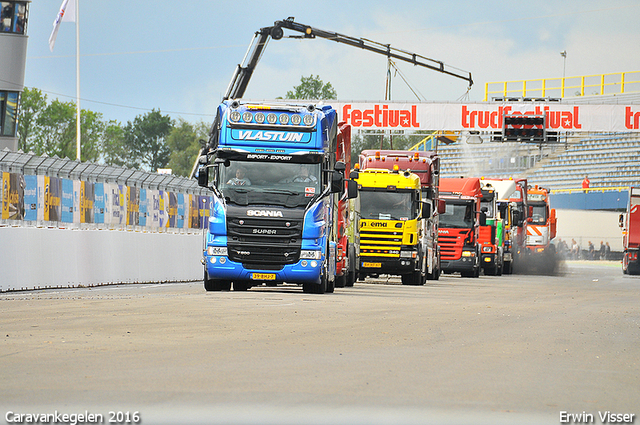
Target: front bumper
pixel 225 269
pixel 464 264
pixel 385 265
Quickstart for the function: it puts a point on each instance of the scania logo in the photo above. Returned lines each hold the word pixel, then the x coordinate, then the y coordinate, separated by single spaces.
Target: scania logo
pixel 265 231
pixel 264 213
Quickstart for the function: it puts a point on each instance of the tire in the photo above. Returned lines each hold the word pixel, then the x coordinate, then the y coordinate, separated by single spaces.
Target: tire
pixel 490 271
pixel 341 281
pixel 215 284
pixel 318 288
pixel 351 275
pixel 414 278
pixel 240 285
pixel 506 268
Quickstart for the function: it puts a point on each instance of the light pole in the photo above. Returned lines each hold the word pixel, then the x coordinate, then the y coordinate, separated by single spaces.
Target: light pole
pixel 564 66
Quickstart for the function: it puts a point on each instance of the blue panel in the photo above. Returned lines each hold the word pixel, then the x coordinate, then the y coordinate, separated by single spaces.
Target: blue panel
pixel 31 198
pixel 592 200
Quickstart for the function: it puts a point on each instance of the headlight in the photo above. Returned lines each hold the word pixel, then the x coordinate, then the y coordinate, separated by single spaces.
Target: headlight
pixel 247 117
pixel 296 119
pixel 271 118
pixel 283 118
pixel 468 254
pixel 308 119
pixel 313 255
pixel 486 249
pixel 234 116
pixel 217 250
pixel 408 254
pixel 259 117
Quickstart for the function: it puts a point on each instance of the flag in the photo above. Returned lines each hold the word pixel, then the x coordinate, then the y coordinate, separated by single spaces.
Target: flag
pixel 67 14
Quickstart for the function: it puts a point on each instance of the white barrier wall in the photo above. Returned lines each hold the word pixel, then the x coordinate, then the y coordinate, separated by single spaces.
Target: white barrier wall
pixel 588 225
pixel 33 258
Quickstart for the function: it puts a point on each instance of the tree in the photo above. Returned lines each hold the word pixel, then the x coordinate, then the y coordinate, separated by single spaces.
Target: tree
pixel 32 103
pixel 312 88
pixel 184 145
pixel 145 141
pixel 50 128
pixel 113 149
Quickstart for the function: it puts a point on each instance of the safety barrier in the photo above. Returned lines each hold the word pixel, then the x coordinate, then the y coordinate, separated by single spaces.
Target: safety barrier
pixel 68 210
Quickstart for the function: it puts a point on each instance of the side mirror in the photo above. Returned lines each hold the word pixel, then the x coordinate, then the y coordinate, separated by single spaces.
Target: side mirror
pixel 337 182
pixel 426 209
pixel 203 176
pixel 352 189
pixel 340 166
pixel 483 218
pixel 515 218
pixel 354 174
pixel 442 206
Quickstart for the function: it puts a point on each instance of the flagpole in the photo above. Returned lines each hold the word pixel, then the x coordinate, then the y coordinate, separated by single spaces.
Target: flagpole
pixel 78 132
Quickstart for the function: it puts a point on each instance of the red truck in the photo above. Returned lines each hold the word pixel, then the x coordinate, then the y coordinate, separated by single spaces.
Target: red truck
pixel 459 226
pixel 426 165
pixel 345 257
pixel 631 233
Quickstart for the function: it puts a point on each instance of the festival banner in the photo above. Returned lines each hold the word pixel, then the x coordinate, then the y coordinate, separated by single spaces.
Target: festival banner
pixel 487 116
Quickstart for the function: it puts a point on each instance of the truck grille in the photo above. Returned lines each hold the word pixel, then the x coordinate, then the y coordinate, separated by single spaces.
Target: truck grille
pixel 264 241
pixel 450 246
pixel 380 243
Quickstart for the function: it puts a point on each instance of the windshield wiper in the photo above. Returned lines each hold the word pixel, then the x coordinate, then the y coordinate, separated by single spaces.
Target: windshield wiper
pixel 282 192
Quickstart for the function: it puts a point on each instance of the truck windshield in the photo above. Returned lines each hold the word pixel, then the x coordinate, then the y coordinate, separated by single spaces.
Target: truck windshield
pixel 539 215
pixel 271 183
pixel 459 215
pixel 387 205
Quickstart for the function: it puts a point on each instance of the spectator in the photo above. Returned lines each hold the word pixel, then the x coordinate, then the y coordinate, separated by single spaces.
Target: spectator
pixel 575 250
pixel 602 251
pixel 592 252
pixel 586 182
pixel 607 251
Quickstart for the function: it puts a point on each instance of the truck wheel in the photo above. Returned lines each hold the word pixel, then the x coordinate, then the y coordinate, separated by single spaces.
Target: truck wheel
pixel 215 284
pixel 341 281
pixel 240 285
pixel 414 278
pixel 351 275
pixel 507 268
pixel 491 271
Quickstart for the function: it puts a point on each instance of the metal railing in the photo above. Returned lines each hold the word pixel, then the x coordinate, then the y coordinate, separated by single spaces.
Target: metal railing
pixel 586 85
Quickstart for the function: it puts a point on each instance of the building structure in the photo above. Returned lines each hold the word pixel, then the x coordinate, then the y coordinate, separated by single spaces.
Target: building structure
pixel 14 16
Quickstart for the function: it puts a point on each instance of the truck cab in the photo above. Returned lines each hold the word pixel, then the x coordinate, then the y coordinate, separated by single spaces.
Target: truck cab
pixel 426 165
pixel 276 183
pixel 458 235
pixel 491 235
pixel 389 212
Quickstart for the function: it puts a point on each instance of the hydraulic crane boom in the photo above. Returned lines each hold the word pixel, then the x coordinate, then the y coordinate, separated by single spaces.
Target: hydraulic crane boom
pixel 243 72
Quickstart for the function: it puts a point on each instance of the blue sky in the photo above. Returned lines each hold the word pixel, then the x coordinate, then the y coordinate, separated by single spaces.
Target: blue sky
pixel 178 56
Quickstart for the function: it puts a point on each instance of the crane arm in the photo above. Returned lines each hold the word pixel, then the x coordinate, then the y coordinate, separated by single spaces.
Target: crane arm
pixel 243 72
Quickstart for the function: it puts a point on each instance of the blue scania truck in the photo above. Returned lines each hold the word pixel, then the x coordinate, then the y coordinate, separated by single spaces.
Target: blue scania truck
pixel 276 184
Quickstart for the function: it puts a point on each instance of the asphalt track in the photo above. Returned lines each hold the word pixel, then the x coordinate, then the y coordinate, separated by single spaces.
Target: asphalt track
pixel 517 349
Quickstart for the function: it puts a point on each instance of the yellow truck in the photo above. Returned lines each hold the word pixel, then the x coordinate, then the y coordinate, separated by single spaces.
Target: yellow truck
pixel 388 215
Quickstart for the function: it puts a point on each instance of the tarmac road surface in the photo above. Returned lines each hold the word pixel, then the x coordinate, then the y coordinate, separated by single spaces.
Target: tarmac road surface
pixel 493 350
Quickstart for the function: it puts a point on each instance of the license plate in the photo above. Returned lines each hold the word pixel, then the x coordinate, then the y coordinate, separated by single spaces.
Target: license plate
pixel 263 276
pixel 372 265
